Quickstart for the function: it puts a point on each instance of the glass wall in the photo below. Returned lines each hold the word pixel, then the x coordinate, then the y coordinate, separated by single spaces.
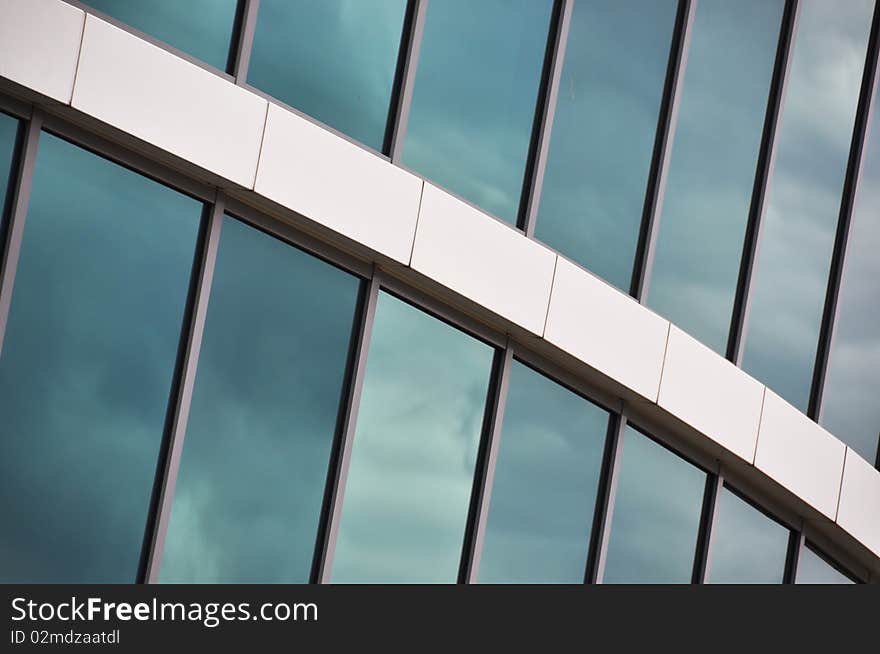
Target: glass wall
pixel 475 96
pixel 8 133
pixel 603 133
pixel 702 223
pixel 264 414
pixel 87 365
pixel 803 199
pixel 656 515
pixel 414 450
pixel 334 60
pixel 546 478
pixel 813 568
pixel 748 547
pixel 201 28
pixel 849 404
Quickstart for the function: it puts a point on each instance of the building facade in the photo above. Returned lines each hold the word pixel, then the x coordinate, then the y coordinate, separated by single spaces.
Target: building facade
pixel 507 291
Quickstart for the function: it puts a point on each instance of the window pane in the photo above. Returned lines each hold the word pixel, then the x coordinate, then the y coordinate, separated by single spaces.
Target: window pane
pixel 603 132
pixel 8 133
pixel 475 96
pixel 334 60
pixel 803 200
pixel 656 515
pixel 201 28
pixel 849 404
pixel 747 546
pixel 706 203
pixel 414 450
pixel 813 569
pixel 264 413
pixel 87 365
pixel 546 477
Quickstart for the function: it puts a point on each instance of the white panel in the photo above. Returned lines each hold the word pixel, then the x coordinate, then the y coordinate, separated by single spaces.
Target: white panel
pixel 606 329
pixel 338 184
pixel 859 511
pixel 799 454
pixel 711 394
pixel 482 259
pixel 169 102
pixel 39 45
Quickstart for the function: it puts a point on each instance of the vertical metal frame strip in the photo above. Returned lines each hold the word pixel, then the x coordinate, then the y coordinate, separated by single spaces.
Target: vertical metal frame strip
pixel 861 125
pixel 708 517
pixel 243 43
pixel 600 533
pixel 763 174
pixel 181 395
pixel 484 471
pixel 545 111
pixel 795 545
pixel 18 208
pixel 666 121
pixel 405 78
pixel 325 547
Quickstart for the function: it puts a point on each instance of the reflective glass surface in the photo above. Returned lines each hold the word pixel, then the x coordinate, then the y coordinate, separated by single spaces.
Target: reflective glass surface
pixel 414 450
pixel 803 199
pixel 814 569
pixel 748 547
pixel 87 365
pixel 334 60
pixel 850 409
pixel 603 133
pixel 656 515
pixel 475 97
pixel 201 28
pixel 263 417
pixel 8 132
pixel 706 203
pixel 546 478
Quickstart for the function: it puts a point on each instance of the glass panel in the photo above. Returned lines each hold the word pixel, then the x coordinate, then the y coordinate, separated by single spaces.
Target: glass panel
pixel 814 569
pixel 475 96
pixel 8 133
pixel 334 60
pixel 747 546
pixel 706 203
pixel 603 132
pixel 201 28
pixel 656 515
pixel 87 366
pixel 414 450
pixel 264 411
pixel 546 478
pixel 803 200
pixel 849 404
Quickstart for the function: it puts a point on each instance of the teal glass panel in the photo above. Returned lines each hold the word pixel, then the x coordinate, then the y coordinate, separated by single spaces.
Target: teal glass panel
pixel 87 365
pixel 815 569
pixel 546 479
pixel 475 97
pixel 333 60
pixel 264 414
pixel 414 450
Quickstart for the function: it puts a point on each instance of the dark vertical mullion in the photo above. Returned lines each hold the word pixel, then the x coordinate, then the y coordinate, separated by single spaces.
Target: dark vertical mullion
pixel 675 68
pixel 795 545
pixel 404 78
pixel 763 171
pixel 608 478
pixel 484 470
pixel 850 189
pixel 180 398
pixel 243 39
pixel 703 555
pixel 325 546
pixel 18 207
pixel 545 110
